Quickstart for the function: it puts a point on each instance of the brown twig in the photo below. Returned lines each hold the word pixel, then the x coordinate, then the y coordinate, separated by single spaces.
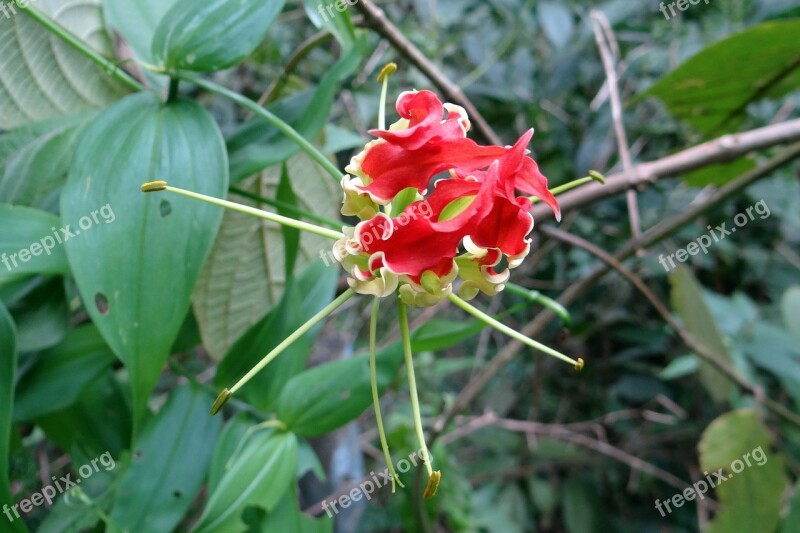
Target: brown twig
pixel 604 36
pixel 721 149
pixel 375 19
pixel 563 433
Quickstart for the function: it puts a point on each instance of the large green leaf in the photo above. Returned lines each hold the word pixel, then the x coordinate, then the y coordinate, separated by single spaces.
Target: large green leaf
pixel 58 376
pixel 258 476
pixel 136 270
pixel 172 456
pixel 713 97
pixel 35 159
pixel 750 497
pixel 29 244
pixel 687 299
pixel 328 396
pixel 212 35
pixel 245 275
pixel 41 77
pixel 304 298
pixel 8 370
pixel 137 22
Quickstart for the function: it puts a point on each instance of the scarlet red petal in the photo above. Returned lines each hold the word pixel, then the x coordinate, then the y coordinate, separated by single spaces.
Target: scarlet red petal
pixel 505 227
pixel 531 181
pixel 393 168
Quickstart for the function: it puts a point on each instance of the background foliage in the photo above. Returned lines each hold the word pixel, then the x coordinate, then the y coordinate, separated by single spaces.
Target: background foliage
pixel 119 341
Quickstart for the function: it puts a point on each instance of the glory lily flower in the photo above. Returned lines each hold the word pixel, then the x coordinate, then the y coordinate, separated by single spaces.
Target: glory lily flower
pixel 417 243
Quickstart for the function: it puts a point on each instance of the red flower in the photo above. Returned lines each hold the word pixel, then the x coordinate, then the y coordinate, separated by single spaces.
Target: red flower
pixel 476 208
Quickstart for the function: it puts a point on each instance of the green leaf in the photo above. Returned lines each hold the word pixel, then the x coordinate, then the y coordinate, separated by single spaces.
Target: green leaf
pixel 258 145
pixel 8 371
pixel 227 445
pixel 720 173
pixel 436 335
pixel 713 97
pixel 171 458
pixel 137 267
pixel 750 499
pixel 680 367
pixel 324 15
pixel 687 299
pixel 773 349
pixel 59 375
pixel 329 396
pixel 287 517
pixel 304 298
pixel 26 232
pixel 35 159
pixel 245 276
pixel 291 236
pixel 100 421
pixel 213 35
pixel 258 476
pixel 137 22
pixel 557 23
pixel 790 307
pixel 42 317
pixel 41 77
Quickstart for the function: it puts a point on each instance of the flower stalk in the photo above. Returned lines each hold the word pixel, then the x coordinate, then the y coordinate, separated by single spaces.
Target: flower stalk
pixel 376 399
pixel 433 477
pixel 155 186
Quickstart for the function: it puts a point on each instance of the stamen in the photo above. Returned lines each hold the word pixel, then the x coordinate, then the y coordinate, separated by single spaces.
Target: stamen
pixel 373 374
pixel 433 485
pixel 299 332
pixel 514 334
pixel 383 78
pixel 155 186
pixel 221 400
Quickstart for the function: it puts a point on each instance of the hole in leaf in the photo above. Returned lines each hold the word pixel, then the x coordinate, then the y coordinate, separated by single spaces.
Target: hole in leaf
pixel 101 302
pixel 165 208
pixel 177 494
